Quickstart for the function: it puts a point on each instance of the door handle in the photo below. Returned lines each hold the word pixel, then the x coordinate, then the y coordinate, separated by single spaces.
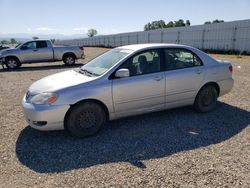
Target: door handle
pixel 158 78
pixel 35 50
pixel 198 71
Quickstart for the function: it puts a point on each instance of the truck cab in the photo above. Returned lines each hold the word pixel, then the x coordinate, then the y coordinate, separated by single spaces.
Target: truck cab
pixel 40 51
pixel 35 51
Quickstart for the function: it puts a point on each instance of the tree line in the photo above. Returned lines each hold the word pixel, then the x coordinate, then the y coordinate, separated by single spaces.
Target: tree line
pixel 11 41
pixel 161 24
pixel 215 21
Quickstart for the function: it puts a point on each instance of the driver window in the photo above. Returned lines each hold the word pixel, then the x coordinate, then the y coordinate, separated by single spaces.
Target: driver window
pixel 29 45
pixel 143 63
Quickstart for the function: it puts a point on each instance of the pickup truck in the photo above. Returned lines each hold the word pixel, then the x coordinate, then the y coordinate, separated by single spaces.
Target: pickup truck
pixel 39 51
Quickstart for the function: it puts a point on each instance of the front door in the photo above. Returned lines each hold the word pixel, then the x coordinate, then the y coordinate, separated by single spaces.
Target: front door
pixel 144 89
pixel 28 52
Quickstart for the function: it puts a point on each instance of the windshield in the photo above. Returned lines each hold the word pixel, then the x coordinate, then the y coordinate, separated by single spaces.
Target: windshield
pixel 104 62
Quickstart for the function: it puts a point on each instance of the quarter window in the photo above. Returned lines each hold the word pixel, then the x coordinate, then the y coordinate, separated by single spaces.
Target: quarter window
pixel 180 58
pixel 143 63
pixel 41 44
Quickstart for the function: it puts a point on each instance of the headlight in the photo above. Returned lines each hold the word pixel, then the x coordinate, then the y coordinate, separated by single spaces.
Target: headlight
pixel 44 98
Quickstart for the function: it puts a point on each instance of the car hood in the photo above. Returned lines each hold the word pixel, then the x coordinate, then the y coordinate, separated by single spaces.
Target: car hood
pixel 8 51
pixel 59 81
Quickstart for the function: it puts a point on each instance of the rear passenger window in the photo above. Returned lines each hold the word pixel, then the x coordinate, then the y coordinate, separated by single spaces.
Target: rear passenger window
pixel 180 58
pixel 41 44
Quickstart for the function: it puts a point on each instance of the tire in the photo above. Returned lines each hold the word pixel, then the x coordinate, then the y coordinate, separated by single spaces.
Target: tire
pixel 69 59
pixel 206 99
pixel 12 63
pixel 85 119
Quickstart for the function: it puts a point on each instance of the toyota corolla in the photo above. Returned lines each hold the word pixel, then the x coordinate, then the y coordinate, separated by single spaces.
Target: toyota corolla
pixel 126 81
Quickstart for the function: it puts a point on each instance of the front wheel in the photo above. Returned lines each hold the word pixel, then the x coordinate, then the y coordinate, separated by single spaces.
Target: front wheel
pixel 85 119
pixel 12 63
pixel 206 99
pixel 69 59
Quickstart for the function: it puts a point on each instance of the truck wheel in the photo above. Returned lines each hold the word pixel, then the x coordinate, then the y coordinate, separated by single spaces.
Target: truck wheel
pixel 206 99
pixel 12 63
pixel 85 119
pixel 69 59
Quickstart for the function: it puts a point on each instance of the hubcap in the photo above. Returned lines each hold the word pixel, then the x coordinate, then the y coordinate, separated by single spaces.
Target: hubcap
pixel 207 98
pixel 69 60
pixel 86 120
pixel 12 63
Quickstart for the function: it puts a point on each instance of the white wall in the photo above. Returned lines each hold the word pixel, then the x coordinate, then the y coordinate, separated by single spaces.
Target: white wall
pixel 222 36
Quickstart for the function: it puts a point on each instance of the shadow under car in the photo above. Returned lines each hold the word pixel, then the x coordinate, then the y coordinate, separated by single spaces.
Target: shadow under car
pixel 132 139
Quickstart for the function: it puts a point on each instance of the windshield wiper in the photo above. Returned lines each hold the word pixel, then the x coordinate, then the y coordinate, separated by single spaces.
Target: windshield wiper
pixel 82 71
pixel 88 72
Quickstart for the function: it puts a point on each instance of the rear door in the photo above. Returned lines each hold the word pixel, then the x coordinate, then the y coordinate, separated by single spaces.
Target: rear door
pixel 144 89
pixel 184 75
pixel 44 51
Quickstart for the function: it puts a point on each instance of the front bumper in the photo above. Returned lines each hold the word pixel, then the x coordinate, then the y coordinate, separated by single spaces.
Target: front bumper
pixel 51 116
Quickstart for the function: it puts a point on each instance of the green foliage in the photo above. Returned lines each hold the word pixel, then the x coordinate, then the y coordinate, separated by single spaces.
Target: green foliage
pixel 92 32
pixel 147 27
pixel 170 24
pixel 218 21
pixel 215 21
pixel 5 42
pixel 35 38
pixel 13 41
pixel 179 23
pixel 155 25
pixel 207 22
pixel 160 24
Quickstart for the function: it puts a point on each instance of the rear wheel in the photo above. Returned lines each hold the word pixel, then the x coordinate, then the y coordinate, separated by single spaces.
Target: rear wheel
pixel 206 99
pixel 69 59
pixel 12 63
pixel 85 119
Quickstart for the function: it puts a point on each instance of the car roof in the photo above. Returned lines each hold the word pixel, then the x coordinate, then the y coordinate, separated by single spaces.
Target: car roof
pixel 136 47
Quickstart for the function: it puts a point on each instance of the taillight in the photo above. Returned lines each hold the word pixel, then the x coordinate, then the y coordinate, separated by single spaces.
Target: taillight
pixel 230 68
pixel 81 48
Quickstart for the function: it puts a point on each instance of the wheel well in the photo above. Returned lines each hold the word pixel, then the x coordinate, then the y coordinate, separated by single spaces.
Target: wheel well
pixel 69 53
pixel 215 85
pixel 88 100
pixel 7 57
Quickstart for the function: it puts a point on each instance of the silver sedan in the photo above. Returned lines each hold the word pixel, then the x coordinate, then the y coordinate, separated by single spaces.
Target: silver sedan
pixel 126 81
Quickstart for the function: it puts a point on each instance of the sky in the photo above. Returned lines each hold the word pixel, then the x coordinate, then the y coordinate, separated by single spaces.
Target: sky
pixel 70 17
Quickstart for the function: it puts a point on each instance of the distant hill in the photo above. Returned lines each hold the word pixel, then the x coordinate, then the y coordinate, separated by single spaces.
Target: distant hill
pixel 21 37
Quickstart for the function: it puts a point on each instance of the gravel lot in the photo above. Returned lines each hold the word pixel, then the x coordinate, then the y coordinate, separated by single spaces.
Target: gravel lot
pixel 174 148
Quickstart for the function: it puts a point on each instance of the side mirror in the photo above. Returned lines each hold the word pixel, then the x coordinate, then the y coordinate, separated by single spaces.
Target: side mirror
pixel 122 73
